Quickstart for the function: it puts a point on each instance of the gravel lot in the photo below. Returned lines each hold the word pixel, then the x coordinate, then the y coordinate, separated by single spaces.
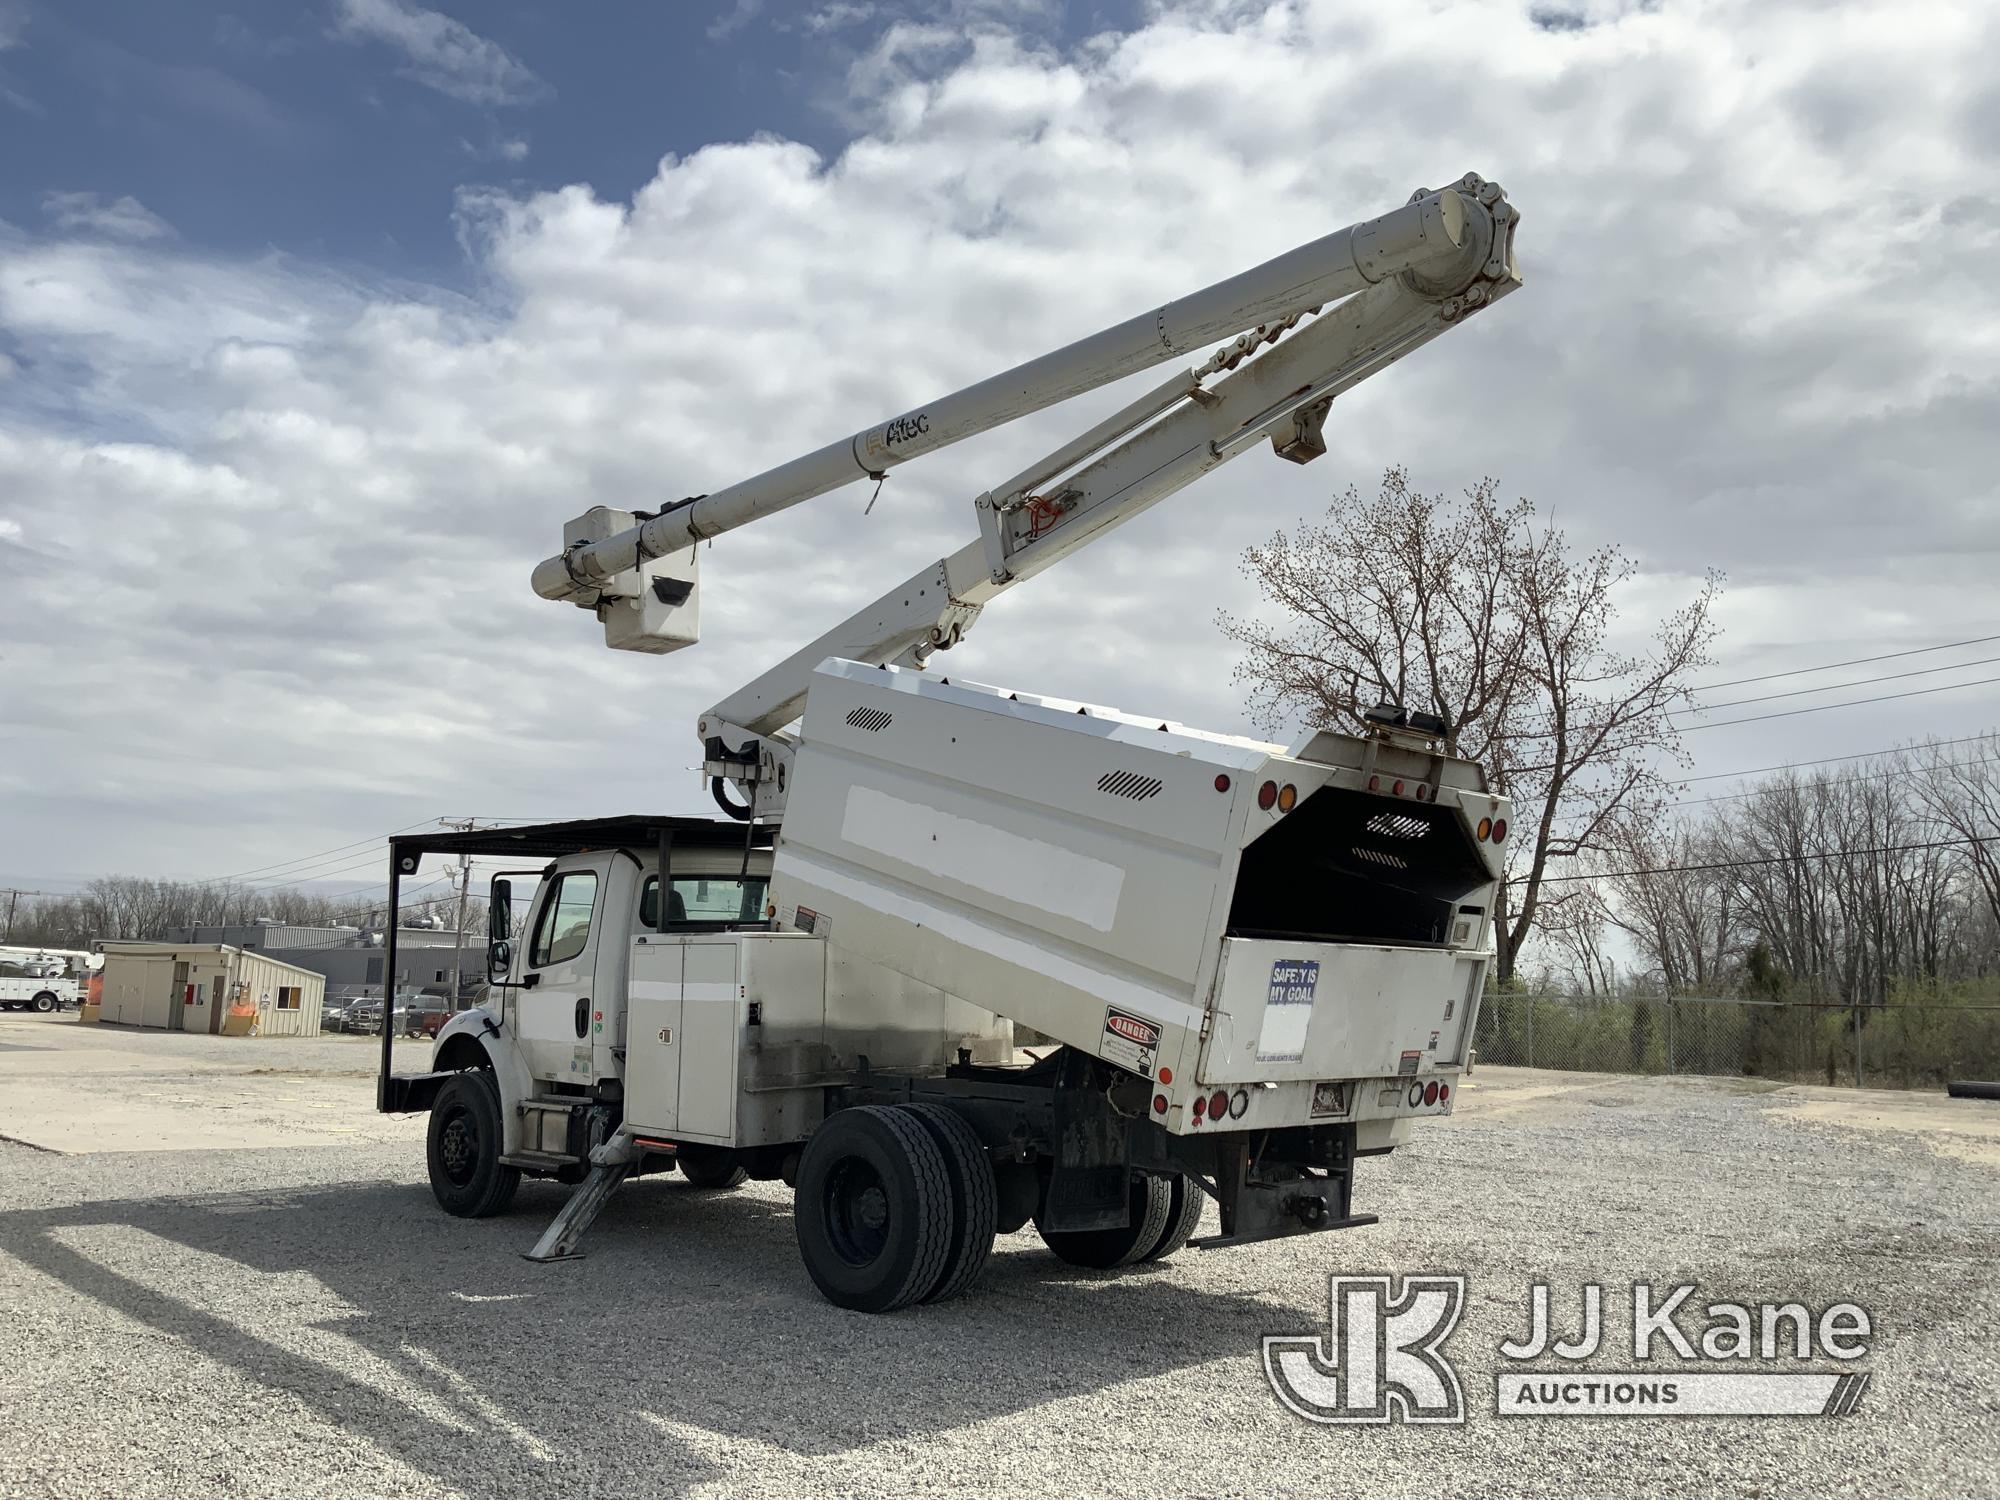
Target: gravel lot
pixel 301 1321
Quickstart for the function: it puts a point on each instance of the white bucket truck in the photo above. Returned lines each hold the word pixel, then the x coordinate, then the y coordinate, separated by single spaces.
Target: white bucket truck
pixel 1256 963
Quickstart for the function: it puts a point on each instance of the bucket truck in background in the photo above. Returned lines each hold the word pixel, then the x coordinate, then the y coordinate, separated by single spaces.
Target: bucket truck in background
pixel 1258 963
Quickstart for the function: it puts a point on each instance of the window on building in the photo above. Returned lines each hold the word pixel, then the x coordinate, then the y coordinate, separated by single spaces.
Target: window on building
pixel 440 977
pixel 564 928
pixel 288 997
pixel 374 971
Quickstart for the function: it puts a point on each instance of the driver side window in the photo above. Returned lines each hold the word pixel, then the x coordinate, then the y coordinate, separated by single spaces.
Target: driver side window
pixel 563 931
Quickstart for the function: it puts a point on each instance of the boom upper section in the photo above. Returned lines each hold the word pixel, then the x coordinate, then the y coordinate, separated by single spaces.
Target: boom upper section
pixel 1395 282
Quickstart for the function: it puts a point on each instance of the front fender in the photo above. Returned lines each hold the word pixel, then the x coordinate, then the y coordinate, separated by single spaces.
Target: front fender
pixel 476 1039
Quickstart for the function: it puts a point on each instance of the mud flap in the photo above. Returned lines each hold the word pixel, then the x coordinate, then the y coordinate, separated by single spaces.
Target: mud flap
pixel 1090 1183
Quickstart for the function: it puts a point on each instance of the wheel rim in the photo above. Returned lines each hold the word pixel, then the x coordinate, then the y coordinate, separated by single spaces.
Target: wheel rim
pixel 856 1212
pixel 458 1148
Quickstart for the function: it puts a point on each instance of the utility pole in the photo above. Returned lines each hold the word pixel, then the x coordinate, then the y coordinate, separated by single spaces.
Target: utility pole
pixel 464 825
pixel 12 897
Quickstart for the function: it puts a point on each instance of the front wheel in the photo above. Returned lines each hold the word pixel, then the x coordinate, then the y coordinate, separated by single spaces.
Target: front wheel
pixel 467 1177
pixel 45 1002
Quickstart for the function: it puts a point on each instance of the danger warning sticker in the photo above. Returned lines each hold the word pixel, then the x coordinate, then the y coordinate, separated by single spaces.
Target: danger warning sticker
pixel 1128 1040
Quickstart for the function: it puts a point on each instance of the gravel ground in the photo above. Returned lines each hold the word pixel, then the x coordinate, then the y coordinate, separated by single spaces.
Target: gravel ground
pixel 303 1322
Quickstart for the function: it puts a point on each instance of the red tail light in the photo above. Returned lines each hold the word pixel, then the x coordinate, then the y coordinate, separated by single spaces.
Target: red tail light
pixel 1159 1104
pixel 1499 830
pixel 1444 1092
pixel 1430 1093
pixel 1267 795
pixel 1218 1105
pixel 1200 1106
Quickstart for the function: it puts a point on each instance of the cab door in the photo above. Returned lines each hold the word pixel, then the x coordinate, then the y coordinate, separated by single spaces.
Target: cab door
pixel 552 1014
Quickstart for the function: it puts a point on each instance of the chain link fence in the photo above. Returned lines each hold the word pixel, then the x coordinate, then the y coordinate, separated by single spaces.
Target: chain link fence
pixel 1875 1046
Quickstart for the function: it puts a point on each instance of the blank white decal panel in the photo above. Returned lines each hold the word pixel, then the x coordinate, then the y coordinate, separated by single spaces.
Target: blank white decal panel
pixel 1027 871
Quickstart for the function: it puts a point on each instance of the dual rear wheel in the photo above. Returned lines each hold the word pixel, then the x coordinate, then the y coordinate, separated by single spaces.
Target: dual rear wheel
pixel 1160 1219
pixel 897 1205
pixel 894 1206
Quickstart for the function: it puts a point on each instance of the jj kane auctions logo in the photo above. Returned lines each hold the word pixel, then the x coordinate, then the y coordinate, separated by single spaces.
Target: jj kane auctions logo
pixel 1382 1358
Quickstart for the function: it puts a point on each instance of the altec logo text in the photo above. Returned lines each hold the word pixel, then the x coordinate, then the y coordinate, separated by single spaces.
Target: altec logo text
pixel 1383 1358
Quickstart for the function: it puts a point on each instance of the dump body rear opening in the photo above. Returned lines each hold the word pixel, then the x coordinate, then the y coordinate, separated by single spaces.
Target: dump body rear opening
pixel 1351 867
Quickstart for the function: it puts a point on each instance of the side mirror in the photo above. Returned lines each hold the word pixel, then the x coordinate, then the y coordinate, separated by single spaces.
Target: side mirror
pixel 499 960
pixel 500 909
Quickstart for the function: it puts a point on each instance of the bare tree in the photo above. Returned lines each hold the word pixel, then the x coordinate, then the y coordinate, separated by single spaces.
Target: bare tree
pixel 1960 794
pixel 1475 611
pixel 1673 904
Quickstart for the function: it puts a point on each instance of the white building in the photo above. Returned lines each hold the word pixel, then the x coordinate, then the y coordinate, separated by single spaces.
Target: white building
pixel 197 986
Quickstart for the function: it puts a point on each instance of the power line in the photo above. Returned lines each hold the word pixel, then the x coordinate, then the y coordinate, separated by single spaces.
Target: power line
pixel 1859 661
pixel 308 858
pixel 1834 687
pixel 1791 713
pixel 1775 859
pixel 1957 765
pixel 1799 765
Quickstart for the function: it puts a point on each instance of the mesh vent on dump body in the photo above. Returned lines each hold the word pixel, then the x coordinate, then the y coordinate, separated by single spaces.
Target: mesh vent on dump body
pixel 874 720
pixel 1130 784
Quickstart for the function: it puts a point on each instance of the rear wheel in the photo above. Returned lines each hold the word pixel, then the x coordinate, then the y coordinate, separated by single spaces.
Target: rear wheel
pixel 710 1167
pixel 45 1001
pixel 974 1200
pixel 1183 1214
pixel 874 1209
pixel 467 1177
pixel 1105 1249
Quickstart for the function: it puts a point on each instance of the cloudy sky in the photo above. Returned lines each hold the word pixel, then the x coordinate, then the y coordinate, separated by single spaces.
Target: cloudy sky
pixel 317 320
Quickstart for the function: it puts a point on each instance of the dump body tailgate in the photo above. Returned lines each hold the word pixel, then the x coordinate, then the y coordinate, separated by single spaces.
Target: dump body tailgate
pixel 1296 1010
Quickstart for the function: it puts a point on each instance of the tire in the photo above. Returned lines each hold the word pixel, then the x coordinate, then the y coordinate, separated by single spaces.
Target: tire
pixel 974 1198
pixel 873 1209
pixel 45 1002
pixel 467 1177
pixel 1183 1214
pixel 1107 1249
pixel 712 1167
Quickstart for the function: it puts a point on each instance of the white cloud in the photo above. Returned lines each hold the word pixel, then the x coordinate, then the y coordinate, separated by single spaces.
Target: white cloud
pixel 124 218
pixel 496 148
pixel 739 15
pixel 441 53
pixel 281 525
